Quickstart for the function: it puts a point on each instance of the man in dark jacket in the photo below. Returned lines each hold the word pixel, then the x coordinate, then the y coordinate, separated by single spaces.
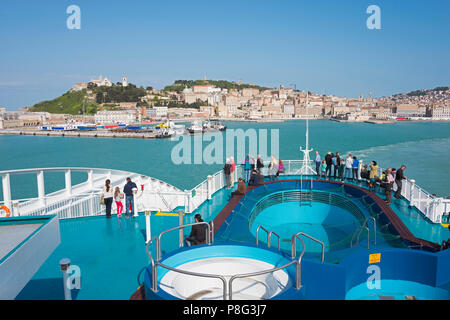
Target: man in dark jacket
pixel 129 199
pixel 329 162
pixel 198 232
pixel 253 178
pixel 399 176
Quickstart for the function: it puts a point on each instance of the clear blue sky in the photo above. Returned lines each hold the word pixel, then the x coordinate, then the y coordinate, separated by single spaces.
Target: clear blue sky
pixel 323 46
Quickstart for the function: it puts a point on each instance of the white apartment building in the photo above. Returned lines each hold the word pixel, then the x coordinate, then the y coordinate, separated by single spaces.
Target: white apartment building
pixel 161 112
pixel 80 86
pixel 102 82
pixel 442 112
pixel 118 116
pixel 288 108
pixel 205 89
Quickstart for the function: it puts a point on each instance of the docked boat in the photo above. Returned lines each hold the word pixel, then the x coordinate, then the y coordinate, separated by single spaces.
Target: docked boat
pixel 195 127
pixel 134 128
pixel 165 133
pixel 64 127
pixel 86 127
pixel 178 129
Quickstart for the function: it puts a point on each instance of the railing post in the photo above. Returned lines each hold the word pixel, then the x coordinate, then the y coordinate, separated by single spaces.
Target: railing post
pixel 360 164
pixel 148 230
pixel 135 203
pixel 298 278
pixel 68 179
pixel 411 192
pixel 41 187
pixel 154 279
pixel 90 179
pixel 187 201
pixel 209 188
pixel 15 209
pixel 65 265
pixel 6 184
pixel 180 231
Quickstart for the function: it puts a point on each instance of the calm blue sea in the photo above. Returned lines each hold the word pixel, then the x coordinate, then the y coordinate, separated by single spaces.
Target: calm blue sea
pixel 422 146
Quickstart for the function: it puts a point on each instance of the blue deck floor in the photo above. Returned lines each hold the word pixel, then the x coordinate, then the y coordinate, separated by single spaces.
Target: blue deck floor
pixel 111 252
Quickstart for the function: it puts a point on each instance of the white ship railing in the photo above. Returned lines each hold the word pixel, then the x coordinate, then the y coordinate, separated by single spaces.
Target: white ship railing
pixel 83 199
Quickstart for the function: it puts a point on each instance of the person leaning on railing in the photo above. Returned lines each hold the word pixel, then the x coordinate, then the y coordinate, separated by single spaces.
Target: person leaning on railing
pixel 399 176
pixel 388 183
pixel 129 200
pixel 108 195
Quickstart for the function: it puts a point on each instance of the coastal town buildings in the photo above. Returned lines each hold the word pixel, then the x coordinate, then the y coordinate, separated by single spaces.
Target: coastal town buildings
pixel 127 116
pixel 251 103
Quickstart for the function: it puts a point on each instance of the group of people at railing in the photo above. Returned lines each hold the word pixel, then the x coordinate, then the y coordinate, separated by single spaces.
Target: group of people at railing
pixel 253 170
pixel 333 166
pixel 108 196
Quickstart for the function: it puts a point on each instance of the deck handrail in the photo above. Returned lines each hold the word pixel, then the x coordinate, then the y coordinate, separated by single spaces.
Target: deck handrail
pixel 269 234
pixel 316 240
pixel 196 274
pixel 155 264
pixel 432 207
pixel 208 234
pixel 365 226
pixel 253 274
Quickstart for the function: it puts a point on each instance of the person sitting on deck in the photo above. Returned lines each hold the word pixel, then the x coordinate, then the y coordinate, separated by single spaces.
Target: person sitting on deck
pixel 253 178
pixel 198 233
pixel 256 178
pixel 365 172
pixel 241 190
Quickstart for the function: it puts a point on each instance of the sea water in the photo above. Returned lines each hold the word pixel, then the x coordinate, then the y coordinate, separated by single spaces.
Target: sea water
pixel 422 146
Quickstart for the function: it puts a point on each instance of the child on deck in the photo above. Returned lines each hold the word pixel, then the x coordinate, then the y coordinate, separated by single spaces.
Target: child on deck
pixel 118 198
pixel 323 169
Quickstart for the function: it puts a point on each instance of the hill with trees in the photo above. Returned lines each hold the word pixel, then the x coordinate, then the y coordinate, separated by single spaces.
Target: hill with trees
pixel 82 102
pixel 180 85
pixel 71 102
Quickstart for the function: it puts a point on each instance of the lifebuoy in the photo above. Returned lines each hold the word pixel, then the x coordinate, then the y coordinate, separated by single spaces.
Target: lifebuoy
pixel 5 208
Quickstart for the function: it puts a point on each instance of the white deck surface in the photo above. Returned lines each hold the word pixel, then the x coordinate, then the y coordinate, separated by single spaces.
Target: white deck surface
pixel 12 235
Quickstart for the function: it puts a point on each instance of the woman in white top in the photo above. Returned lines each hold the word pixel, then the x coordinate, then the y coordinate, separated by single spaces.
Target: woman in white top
pixel 273 168
pixel 108 195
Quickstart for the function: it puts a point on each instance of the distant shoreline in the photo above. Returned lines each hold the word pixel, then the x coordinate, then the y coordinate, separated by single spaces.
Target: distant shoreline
pixel 147 135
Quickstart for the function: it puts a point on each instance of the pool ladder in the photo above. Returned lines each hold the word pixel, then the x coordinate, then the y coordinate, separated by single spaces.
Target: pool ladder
pixel 359 230
pixel 293 248
pixel 306 197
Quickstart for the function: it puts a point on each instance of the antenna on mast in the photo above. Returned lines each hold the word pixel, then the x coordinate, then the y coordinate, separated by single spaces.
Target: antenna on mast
pixel 306 168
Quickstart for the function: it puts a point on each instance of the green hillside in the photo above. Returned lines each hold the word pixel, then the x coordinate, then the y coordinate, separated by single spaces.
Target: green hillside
pixel 179 85
pixel 70 102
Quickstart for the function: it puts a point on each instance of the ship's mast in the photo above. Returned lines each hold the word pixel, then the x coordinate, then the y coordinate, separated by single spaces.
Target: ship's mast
pixel 306 168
